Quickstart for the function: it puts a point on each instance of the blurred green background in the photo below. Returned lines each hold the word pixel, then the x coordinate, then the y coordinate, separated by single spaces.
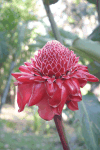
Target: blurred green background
pixel 24 29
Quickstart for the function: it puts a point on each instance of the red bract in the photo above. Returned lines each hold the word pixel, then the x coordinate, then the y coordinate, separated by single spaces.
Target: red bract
pixel 52 79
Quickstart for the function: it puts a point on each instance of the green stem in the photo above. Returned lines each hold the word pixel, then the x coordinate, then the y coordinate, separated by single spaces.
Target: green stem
pixel 53 23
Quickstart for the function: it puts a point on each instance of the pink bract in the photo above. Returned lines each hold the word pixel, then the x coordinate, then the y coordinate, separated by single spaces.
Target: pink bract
pixel 51 80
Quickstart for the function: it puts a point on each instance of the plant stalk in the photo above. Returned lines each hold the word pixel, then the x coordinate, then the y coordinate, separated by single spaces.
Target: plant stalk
pixel 4 96
pixel 52 22
pixel 61 132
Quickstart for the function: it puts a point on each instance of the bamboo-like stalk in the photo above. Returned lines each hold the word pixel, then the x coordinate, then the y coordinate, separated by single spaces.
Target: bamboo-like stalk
pixel 52 22
pixel 4 96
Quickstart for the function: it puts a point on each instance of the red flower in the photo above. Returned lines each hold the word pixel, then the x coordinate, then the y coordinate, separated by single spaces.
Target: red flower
pixel 52 79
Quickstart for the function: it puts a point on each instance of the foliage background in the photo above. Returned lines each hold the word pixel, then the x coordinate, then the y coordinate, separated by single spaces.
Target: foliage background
pixel 25 28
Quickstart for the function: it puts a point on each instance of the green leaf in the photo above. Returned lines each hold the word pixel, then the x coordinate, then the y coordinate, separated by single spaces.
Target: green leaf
pixel 67 35
pixel 84 47
pixel 89 116
pixel 92 1
pixel 91 48
pixel 95 35
pixel 35 45
pixel 94 68
pixel 9 17
pixel 11 13
pixel 40 41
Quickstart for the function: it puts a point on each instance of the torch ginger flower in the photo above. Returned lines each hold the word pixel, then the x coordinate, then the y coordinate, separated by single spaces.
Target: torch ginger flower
pixel 51 80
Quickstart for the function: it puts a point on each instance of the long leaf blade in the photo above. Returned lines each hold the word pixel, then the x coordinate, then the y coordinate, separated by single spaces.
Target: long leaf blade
pixel 89 116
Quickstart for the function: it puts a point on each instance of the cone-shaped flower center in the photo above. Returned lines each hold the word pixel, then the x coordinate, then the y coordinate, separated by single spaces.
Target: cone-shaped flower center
pixel 55 60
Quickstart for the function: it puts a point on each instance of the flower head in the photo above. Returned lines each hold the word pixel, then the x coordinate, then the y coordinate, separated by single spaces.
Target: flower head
pixel 51 80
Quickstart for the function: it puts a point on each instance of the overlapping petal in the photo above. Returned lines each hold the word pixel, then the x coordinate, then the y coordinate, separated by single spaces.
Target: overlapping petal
pixel 55 100
pixel 91 77
pixel 82 82
pixel 38 92
pixel 24 69
pixel 50 89
pixel 18 74
pixel 23 95
pixel 72 105
pixel 64 95
pixel 45 110
pixel 71 86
